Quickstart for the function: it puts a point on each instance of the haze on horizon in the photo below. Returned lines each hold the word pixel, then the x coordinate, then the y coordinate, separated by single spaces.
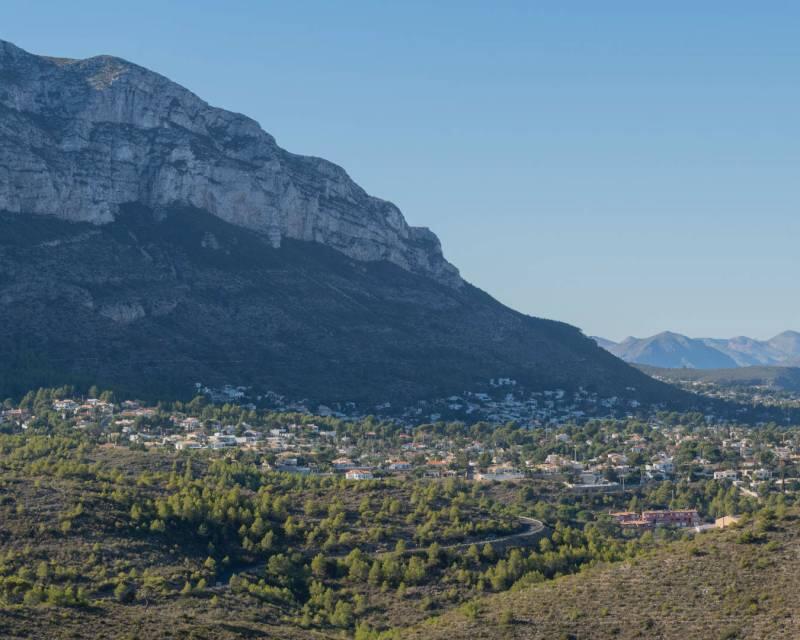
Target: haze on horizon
pixel 628 169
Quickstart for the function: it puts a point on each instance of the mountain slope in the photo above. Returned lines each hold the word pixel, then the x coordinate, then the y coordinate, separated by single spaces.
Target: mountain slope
pixel 189 297
pixel 149 241
pixel 713 587
pixel 787 343
pixel 608 345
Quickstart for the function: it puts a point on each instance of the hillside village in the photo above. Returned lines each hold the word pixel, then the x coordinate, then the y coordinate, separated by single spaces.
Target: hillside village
pixel 574 452
pixel 500 400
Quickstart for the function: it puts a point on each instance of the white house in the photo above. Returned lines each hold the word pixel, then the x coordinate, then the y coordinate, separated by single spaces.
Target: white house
pixel 359 474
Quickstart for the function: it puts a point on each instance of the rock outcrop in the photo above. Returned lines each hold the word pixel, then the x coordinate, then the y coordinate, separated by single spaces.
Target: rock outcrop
pixel 79 139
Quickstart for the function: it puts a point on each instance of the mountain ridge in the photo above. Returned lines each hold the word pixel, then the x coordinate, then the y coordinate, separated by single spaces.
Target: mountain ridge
pixel 671 350
pixel 135 136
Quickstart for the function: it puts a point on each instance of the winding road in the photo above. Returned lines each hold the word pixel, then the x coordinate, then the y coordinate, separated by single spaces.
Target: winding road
pixel 534 527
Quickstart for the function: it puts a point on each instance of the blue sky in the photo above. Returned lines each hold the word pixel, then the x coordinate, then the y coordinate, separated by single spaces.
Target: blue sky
pixel 627 167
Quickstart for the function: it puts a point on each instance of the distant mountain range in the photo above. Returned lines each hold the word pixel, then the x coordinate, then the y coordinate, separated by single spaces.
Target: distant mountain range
pixel 673 351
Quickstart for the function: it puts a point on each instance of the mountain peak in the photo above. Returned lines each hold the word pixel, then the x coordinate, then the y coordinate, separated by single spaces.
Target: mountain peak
pixel 146 140
pixel 670 335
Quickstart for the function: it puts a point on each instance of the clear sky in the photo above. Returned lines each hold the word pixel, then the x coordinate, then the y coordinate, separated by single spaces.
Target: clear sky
pixel 627 167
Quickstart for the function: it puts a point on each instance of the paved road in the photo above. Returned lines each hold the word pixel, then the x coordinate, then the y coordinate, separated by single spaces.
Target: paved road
pixel 533 527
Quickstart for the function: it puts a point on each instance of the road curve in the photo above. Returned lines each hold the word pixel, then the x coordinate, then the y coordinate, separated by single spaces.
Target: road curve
pixel 534 527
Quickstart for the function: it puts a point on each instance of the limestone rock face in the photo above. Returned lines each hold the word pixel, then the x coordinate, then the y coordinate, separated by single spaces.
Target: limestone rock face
pixel 81 138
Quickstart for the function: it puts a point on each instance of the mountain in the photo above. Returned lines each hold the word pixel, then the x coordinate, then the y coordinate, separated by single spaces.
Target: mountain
pixel 747 352
pixel 787 343
pixel 149 241
pixel 672 350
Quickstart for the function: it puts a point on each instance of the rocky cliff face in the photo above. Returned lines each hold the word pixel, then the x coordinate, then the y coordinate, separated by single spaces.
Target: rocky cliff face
pixel 79 139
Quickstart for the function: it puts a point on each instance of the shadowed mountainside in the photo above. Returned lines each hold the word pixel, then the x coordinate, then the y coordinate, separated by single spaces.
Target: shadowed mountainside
pixel 152 304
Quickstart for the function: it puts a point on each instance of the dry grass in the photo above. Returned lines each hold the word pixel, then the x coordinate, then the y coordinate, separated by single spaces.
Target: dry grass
pixel 712 587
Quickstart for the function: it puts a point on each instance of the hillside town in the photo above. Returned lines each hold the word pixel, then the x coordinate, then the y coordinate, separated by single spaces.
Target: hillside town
pixel 498 400
pixel 580 455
